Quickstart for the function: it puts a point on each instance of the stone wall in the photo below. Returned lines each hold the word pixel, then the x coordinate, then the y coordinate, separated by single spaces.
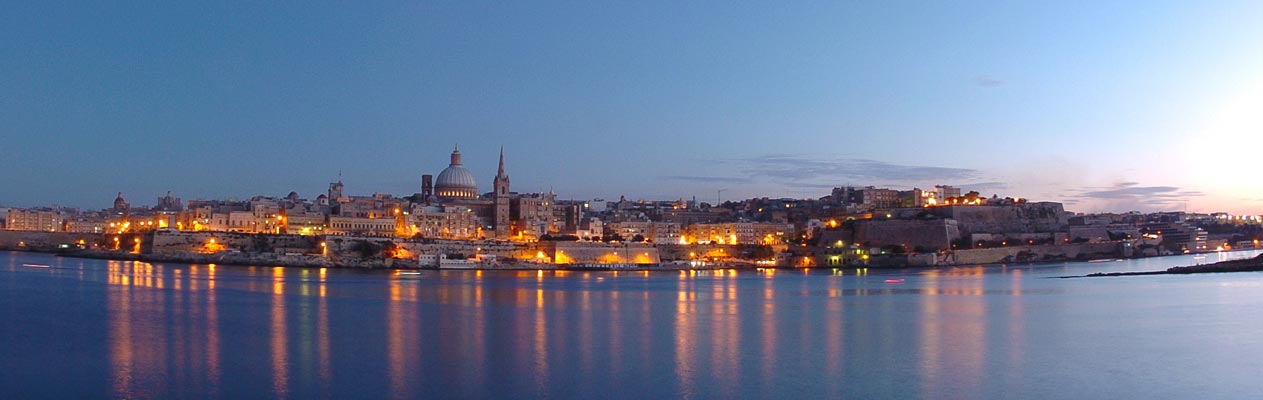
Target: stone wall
pixel 597 253
pixel 45 241
pixel 936 234
pixel 1019 218
pixel 169 242
pixel 470 249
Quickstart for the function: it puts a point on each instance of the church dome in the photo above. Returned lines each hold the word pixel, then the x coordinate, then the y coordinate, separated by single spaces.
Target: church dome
pixel 455 182
pixel 119 203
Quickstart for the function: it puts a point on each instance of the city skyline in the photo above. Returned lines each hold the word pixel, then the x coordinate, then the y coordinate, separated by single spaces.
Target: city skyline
pixel 1103 108
pixel 485 188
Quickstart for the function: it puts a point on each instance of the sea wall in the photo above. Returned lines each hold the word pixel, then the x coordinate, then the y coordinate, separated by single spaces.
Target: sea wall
pixel 45 241
pixel 171 242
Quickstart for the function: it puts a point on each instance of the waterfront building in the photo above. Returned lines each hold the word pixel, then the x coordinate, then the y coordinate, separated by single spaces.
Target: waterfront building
pixel 538 214
pixel 442 222
pixel 938 196
pixel 837 249
pixel 590 228
pixel 305 224
pixel 657 232
pixel 873 198
pixel 738 233
pixel 359 226
pixel 1178 235
pixel 87 224
pixel 944 192
pixel 46 220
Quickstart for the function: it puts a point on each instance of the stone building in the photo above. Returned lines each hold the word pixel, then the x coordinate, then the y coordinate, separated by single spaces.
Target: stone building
pixel 35 220
pixel 738 233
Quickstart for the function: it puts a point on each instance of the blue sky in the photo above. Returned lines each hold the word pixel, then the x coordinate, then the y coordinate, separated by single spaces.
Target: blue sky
pixel 1109 107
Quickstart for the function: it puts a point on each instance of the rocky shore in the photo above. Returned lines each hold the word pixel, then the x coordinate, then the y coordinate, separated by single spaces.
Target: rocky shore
pixel 1246 265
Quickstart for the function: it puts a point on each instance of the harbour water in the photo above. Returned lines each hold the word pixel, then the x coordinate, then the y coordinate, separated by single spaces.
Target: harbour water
pixel 99 329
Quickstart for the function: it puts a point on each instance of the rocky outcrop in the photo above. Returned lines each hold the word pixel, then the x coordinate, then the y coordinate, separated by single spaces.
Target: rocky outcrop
pixel 1247 265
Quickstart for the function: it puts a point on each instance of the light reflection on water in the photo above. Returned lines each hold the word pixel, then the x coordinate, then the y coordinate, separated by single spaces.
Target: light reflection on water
pixel 996 331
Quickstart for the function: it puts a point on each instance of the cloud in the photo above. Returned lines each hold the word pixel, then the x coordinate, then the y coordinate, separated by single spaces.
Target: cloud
pixel 987 81
pixel 797 170
pixel 980 186
pixel 1131 195
pixel 1131 192
pixel 706 179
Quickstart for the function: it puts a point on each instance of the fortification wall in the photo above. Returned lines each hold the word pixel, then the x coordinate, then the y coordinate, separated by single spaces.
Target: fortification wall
pixel 45 241
pixel 599 253
pixel 933 234
pixel 1019 218
pixel 169 242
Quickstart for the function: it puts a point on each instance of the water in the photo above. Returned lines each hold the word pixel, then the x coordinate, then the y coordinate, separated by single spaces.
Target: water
pixel 93 328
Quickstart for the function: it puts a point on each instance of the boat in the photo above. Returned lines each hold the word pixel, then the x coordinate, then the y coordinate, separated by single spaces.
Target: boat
pixel 36 266
pixel 408 273
pixel 895 280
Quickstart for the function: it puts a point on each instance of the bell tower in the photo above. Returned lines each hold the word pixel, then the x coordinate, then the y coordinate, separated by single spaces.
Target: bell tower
pixel 501 196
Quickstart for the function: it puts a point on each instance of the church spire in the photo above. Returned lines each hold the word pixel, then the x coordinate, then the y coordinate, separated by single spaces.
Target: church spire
pixel 500 173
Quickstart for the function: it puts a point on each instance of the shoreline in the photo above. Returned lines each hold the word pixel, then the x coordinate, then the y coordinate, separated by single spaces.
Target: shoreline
pixel 365 264
pixel 308 261
pixel 1254 264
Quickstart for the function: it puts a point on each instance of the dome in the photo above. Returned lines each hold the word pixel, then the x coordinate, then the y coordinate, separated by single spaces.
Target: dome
pixel 119 203
pixel 455 182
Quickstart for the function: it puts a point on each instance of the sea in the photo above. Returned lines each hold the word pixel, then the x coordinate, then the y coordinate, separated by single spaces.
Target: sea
pixel 86 328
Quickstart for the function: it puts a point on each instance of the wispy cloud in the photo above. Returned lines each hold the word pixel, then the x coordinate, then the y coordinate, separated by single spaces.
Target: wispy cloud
pixel 988 81
pixel 800 170
pixel 1132 195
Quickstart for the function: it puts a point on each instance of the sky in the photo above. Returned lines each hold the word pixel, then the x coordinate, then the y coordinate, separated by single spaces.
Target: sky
pixel 1105 106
